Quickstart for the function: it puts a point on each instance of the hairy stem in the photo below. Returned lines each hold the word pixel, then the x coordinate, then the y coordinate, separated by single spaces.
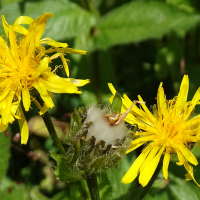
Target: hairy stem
pixel 93 186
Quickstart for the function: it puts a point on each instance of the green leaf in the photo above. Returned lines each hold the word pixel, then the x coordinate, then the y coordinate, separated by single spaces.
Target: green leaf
pixel 6 2
pixel 63 172
pixel 141 20
pixel 115 175
pixel 4 154
pixel 9 190
pixel 69 19
pixel 163 195
pixel 117 103
pixel 10 18
pixel 105 187
pixel 182 189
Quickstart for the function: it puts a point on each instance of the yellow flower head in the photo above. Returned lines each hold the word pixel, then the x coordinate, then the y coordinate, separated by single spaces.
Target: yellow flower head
pixel 168 130
pixel 24 65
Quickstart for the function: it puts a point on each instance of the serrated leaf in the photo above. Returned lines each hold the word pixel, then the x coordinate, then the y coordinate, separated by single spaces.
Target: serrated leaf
pixel 69 19
pixel 63 172
pixel 141 20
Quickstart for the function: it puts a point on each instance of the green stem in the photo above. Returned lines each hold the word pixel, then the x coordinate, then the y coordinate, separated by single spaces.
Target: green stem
pixel 149 185
pixel 51 129
pixel 52 133
pixel 93 186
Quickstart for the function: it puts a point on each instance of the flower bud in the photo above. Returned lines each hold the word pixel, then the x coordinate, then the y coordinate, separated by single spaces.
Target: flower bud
pixel 97 140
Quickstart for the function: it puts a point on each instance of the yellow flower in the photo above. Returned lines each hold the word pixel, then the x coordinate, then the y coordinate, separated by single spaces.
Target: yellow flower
pixel 170 129
pixel 24 65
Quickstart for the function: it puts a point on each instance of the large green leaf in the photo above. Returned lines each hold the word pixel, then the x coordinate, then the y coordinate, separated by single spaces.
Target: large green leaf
pixel 182 189
pixel 141 20
pixel 68 21
pixel 116 174
pixel 9 190
pixel 6 2
pixel 10 18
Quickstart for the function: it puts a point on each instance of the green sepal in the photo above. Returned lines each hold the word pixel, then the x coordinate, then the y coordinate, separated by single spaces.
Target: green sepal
pixel 63 171
pixel 117 103
pixel 77 118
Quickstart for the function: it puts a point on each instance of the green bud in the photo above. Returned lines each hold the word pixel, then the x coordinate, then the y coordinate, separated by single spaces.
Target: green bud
pixel 117 103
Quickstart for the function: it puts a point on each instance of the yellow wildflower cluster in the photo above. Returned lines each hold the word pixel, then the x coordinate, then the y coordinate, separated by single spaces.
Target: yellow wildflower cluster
pixel 24 65
pixel 170 129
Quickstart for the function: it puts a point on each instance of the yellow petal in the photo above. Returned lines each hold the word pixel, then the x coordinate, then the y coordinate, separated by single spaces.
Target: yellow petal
pixel 193 103
pixel 139 142
pixel 3 127
pixel 41 68
pixel 187 154
pixel 148 171
pixel 132 173
pixel 57 84
pixel 6 110
pixel 78 82
pixel 39 25
pixel 43 109
pixel 183 93
pixel 149 114
pixel 26 99
pixel 190 174
pixel 151 155
pixel 40 87
pixel 73 51
pixel 166 163
pixel 36 103
pixel 52 43
pixel 23 20
pixel 112 89
pixel 181 158
pixel 20 29
pixel 161 101
pixel 5 24
pixel 23 127
pixel 64 61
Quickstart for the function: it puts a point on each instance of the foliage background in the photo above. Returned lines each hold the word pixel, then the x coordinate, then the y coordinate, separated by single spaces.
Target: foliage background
pixel 133 44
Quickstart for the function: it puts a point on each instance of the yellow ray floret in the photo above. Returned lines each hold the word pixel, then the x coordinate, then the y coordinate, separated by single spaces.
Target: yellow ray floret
pixel 169 129
pixel 24 66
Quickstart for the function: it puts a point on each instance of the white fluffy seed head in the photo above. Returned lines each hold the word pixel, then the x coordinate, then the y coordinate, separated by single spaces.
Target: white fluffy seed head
pixel 100 128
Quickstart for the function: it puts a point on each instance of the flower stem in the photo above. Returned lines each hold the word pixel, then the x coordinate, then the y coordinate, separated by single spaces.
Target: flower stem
pixel 93 186
pixel 51 129
pixel 52 133
pixel 149 185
